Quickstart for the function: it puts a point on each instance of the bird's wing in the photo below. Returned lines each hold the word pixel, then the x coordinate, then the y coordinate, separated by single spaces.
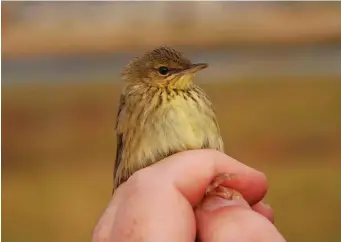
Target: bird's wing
pixel 119 136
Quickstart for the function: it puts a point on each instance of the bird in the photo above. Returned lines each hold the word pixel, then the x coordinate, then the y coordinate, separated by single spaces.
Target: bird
pixel 162 112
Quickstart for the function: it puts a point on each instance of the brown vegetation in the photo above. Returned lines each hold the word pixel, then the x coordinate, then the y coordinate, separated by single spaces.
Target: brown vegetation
pixel 58 148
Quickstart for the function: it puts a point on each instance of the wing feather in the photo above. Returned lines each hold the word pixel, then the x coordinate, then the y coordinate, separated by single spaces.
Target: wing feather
pixel 119 135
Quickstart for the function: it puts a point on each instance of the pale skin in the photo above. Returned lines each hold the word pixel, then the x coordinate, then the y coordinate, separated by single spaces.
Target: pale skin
pixel 164 202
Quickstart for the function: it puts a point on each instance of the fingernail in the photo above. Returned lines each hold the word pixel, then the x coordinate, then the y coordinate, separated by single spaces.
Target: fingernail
pixel 214 203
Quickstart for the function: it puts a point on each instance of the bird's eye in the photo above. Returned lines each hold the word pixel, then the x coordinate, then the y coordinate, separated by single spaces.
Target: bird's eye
pixel 163 70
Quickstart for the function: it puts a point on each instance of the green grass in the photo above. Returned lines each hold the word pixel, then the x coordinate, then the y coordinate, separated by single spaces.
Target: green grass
pixel 58 148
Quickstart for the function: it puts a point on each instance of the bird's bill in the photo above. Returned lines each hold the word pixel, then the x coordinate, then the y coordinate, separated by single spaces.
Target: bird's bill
pixel 196 67
pixel 186 75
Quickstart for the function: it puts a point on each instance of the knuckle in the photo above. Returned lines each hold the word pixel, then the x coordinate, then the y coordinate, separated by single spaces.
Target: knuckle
pixel 140 178
pixel 99 235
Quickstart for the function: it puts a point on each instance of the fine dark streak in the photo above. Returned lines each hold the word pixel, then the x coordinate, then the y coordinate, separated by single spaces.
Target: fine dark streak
pixel 202 94
pixel 206 100
pixel 183 94
pixel 138 117
pixel 157 99
pixel 206 144
pixel 189 94
pixel 168 91
pixel 120 107
pixel 119 151
pixel 169 94
pixel 199 92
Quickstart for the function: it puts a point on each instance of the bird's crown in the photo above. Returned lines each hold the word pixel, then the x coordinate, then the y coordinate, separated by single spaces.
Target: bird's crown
pixel 156 63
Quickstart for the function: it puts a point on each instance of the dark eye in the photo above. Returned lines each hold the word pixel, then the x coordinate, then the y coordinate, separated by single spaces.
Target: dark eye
pixel 163 70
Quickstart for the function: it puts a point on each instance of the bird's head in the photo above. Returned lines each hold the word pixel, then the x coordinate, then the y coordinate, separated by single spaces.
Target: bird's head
pixel 162 66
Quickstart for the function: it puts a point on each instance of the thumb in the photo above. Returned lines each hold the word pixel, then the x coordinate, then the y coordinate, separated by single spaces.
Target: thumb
pixel 232 219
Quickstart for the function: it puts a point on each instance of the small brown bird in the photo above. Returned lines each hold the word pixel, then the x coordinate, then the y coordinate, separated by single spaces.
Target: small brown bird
pixel 162 112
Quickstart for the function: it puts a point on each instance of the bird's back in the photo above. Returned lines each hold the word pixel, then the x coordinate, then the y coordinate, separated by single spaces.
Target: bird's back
pixel 155 122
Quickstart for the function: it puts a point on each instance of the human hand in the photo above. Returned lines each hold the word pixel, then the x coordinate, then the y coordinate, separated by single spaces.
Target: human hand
pixel 163 202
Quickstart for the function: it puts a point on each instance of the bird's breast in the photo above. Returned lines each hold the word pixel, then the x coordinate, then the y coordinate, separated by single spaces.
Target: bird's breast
pixel 182 122
pixel 155 123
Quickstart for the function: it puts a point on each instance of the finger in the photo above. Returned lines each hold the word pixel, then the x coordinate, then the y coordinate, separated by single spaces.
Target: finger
pixel 158 200
pixel 192 171
pixel 265 210
pixel 151 211
pixel 232 220
pixel 103 228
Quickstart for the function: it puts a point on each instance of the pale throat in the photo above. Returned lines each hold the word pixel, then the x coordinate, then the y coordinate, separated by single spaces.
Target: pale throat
pixel 181 82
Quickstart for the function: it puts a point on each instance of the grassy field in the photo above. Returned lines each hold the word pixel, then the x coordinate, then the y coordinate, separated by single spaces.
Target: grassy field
pixel 58 148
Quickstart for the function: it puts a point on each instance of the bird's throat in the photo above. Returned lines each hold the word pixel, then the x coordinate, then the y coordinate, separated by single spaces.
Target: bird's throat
pixel 181 82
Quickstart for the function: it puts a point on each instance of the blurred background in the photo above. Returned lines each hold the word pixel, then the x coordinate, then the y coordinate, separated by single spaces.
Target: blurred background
pixel 274 77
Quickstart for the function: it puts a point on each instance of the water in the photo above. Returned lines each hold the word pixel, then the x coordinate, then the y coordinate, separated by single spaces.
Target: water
pixel 229 64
